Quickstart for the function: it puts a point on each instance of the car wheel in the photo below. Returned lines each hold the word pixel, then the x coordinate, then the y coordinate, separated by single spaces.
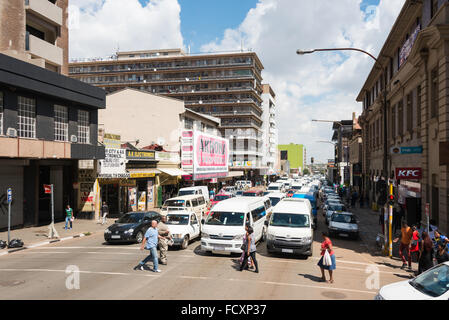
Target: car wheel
pixel 139 237
pixel 185 242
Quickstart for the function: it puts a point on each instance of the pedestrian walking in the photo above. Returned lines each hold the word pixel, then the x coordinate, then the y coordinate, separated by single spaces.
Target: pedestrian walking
pixel 440 238
pixel 68 217
pixel 164 239
pixel 406 238
pixel 104 212
pixel 244 249
pixel 150 243
pixel 414 246
pixel 326 245
pixel 250 250
pixel 441 254
pixel 426 254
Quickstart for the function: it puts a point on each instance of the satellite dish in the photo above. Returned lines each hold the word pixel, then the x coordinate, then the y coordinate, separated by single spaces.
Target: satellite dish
pixel 160 141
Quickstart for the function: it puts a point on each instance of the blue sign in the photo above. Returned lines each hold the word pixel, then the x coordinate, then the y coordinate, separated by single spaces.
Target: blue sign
pixel 406 150
pixel 9 195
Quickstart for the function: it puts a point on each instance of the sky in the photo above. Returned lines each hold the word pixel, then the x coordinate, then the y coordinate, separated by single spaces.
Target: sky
pixel 316 86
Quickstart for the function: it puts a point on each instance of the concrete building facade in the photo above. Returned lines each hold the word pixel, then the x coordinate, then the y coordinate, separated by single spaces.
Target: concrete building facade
pixel 415 73
pixel 270 130
pixel 36 32
pixel 294 153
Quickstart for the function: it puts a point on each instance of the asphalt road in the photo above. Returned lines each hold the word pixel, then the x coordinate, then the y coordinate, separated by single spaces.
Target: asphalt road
pixel 106 272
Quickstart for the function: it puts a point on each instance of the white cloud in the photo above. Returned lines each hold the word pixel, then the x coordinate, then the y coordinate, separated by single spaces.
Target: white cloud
pixel 99 26
pixel 317 86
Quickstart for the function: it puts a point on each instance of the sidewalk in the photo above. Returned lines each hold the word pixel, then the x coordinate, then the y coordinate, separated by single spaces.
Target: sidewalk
pixel 35 235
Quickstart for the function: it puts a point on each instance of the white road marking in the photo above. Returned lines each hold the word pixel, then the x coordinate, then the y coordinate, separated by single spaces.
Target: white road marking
pixel 199 278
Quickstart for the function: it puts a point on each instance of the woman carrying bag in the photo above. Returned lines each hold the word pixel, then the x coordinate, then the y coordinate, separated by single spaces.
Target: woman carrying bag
pixel 327 260
pixel 244 247
pixel 250 250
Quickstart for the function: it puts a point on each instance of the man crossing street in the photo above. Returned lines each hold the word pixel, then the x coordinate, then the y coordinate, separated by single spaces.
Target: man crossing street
pixel 164 238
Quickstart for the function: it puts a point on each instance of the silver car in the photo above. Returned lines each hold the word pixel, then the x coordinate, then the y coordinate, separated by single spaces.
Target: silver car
pixel 343 224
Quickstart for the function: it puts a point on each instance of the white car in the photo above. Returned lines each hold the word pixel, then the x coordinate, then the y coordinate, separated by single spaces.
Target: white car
pixel 343 224
pixel 430 285
pixel 184 227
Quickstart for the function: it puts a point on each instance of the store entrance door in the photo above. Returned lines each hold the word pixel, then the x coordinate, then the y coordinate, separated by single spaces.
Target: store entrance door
pixel 413 206
pixel 110 195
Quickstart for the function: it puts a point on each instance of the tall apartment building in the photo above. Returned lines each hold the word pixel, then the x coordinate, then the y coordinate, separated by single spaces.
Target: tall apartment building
pixel 36 32
pixel 415 75
pixel 223 85
pixel 270 131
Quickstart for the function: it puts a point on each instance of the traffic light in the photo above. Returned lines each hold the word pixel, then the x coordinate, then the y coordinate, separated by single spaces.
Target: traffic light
pixel 311 160
pixel 391 200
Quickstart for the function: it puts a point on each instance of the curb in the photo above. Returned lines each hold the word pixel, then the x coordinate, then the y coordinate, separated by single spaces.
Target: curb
pixel 39 244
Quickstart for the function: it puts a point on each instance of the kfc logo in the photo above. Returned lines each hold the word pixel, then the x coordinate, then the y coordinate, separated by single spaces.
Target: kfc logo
pixel 408 173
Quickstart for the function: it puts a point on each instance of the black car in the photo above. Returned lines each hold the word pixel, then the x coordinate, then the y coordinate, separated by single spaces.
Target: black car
pixel 131 227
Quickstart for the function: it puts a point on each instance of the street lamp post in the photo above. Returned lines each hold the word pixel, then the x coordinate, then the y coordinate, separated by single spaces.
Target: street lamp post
pixel 385 172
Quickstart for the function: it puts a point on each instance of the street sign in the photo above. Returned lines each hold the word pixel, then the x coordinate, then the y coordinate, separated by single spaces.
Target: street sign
pixel 9 192
pixel 47 188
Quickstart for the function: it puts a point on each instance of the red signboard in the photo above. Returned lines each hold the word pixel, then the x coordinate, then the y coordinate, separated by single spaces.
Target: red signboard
pixel 408 173
pixel 47 188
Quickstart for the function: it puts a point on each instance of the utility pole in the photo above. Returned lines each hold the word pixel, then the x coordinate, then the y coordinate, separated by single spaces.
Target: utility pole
pixel 390 221
pixel 9 192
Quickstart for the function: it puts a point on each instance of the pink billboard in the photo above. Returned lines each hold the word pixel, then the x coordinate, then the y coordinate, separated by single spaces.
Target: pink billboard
pixel 211 155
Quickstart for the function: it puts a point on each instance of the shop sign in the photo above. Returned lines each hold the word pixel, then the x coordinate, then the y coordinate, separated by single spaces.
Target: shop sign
pixel 406 150
pixel 167 156
pixel 408 173
pixel 187 151
pixel 112 140
pixel 140 155
pixel 114 164
pixel 142 175
pixel 86 179
pixel 127 183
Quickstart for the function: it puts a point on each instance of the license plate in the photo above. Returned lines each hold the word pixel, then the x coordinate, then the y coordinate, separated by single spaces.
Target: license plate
pixel 287 250
pixel 115 237
pixel 343 235
pixel 219 248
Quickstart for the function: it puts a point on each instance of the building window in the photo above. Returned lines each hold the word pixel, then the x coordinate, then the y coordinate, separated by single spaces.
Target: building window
pixel 284 155
pixel 409 113
pixel 188 123
pixel 1 113
pixel 83 126
pixel 27 117
pixel 434 93
pixel 61 123
pixel 401 118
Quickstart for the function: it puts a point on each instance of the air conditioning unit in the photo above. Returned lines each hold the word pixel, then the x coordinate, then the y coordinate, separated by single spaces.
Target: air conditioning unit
pixel 11 132
pixel 73 138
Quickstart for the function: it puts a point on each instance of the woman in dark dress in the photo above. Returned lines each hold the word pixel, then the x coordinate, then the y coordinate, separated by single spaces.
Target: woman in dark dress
pixel 426 254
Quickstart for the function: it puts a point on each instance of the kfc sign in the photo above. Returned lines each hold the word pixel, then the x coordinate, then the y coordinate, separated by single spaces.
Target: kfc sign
pixel 408 173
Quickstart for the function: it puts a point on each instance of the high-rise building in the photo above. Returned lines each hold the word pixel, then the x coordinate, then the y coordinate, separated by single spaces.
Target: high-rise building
pixel 270 131
pixel 223 85
pixel 36 32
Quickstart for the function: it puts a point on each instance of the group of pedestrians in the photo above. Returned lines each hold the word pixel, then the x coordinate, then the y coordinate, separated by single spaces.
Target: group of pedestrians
pixel 421 248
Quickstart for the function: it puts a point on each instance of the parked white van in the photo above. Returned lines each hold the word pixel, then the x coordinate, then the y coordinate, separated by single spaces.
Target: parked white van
pixel 184 226
pixel 224 228
pixel 195 203
pixel 275 197
pixel 290 227
pixel 202 190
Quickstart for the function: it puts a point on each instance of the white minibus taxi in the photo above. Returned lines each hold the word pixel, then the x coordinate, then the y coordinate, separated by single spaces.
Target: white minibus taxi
pixel 224 228
pixel 290 227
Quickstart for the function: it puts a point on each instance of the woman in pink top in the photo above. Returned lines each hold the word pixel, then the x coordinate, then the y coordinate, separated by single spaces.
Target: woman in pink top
pixel 327 245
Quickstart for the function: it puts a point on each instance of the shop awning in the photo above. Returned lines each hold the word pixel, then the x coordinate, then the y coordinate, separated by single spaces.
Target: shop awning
pixel 174 172
pixel 143 173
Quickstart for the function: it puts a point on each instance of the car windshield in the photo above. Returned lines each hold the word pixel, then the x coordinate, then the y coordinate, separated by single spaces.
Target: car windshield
pixel 225 218
pixel 343 218
pixel 273 188
pixel 249 194
pixel 290 220
pixel 131 218
pixel 174 203
pixel 220 198
pixel 274 201
pixel 239 192
pixel 177 219
pixel 297 187
pixel 186 192
pixel 337 207
pixel 434 282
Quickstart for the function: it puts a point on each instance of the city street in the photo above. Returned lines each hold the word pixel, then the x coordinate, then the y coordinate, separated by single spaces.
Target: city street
pixel 106 272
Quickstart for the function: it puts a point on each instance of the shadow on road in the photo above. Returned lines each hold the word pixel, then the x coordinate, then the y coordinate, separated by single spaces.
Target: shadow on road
pixel 311 277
